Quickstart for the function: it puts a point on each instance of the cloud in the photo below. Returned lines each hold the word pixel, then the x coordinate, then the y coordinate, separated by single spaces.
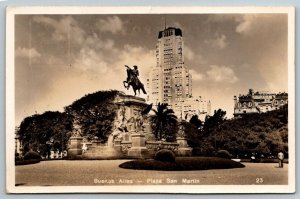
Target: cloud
pixel 111 24
pixel 245 24
pixel 89 59
pixel 86 52
pixel 215 74
pixel 196 76
pixel 136 55
pixel 222 74
pixel 219 18
pixel 218 42
pixel 101 45
pixel 23 52
pixel 177 25
pixel 64 28
pixel 188 53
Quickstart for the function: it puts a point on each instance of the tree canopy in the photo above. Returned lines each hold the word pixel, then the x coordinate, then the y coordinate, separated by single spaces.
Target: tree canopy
pixel 96 113
pixel 164 122
pixel 261 133
pixel 45 131
pixel 52 130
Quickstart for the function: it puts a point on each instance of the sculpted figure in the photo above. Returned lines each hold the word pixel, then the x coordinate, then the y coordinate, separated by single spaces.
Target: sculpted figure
pixel 181 132
pixel 76 129
pixel 139 123
pixel 133 80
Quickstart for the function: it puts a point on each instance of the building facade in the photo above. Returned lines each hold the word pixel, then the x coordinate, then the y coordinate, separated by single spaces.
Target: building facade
pixel 258 102
pixel 170 80
pixel 18 143
pixel 195 106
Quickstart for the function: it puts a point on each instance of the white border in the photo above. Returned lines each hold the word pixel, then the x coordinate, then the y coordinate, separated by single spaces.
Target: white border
pixel 10 101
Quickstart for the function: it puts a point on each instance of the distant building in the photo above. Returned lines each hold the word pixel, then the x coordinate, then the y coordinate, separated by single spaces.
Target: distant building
pixel 18 144
pixel 195 106
pixel 170 81
pixel 258 102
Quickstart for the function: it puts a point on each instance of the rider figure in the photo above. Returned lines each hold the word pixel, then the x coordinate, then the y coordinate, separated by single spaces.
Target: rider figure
pixel 133 80
pixel 135 71
pixel 134 75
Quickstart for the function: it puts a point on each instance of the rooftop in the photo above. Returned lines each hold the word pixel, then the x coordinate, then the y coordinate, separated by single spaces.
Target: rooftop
pixel 178 32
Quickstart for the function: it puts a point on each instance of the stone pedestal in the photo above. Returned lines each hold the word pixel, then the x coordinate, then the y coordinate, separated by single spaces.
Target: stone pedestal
pixel 138 148
pixel 117 145
pixel 103 151
pixel 75 147
pixel 183 148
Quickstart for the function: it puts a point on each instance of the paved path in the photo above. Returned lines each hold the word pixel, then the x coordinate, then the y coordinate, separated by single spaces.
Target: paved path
pixel 107 172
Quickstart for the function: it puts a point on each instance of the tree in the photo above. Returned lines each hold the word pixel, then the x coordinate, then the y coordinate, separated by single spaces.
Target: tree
pixel 196 121
pixel 35 131
pixel 192 134
pixel 95 113
pixel 164 122
pixel 261 133
pixel 212 122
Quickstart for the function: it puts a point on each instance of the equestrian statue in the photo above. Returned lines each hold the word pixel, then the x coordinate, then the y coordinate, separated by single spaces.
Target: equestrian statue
pixel 133 80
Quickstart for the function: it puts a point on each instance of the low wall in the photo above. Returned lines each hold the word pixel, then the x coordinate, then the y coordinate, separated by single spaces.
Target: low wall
pixel 102 151
pixel 154 146
pixel 97 150
pixel 125 145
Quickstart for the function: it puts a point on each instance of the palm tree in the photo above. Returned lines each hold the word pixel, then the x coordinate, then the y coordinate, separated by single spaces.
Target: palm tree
pixel 162 120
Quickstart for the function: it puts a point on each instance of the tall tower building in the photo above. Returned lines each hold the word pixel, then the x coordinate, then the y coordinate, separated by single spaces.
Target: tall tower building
pixel 170 81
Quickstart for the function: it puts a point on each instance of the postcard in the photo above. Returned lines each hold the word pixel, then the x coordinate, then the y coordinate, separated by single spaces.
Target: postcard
pixel 150 99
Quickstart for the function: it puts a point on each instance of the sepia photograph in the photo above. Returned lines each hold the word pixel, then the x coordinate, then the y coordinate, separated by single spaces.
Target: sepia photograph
pixel 150 100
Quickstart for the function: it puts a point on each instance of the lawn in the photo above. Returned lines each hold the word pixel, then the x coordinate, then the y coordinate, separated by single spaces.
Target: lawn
pixel 183 164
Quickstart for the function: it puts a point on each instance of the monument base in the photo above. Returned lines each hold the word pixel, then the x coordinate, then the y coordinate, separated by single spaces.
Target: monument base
pixel 183 152
pixel 138 152
pixel 75 150
pixel 183 149
pixel 102 153
pixel 74 153
pixel 138 149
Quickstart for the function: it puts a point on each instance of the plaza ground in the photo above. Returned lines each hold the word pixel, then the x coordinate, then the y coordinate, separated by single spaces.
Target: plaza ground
pixel 107 172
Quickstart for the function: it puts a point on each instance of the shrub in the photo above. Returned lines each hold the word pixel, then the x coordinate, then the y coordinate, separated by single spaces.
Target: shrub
pixel 223 154
pixel 165 155
pixel 183 164
pixel 26 162
pixel 197 151
pixel 18 157
pixel 31 155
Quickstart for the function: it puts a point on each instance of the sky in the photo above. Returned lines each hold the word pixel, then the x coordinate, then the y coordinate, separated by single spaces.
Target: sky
pixel 61 58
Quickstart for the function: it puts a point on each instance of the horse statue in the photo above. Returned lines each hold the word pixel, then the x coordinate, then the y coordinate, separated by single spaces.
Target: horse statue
pixel 133 80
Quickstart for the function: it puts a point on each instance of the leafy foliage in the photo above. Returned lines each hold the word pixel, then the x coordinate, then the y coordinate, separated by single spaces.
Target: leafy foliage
pixel 211 122
pixel 261 133
pixel 164 122
pixel 165 155
pixel 31 155
pixel 52 130
pixel 196 132
pixel 223 154
pixel 196 121
pixel 39 132
pixel 96 113
pixel 183 164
